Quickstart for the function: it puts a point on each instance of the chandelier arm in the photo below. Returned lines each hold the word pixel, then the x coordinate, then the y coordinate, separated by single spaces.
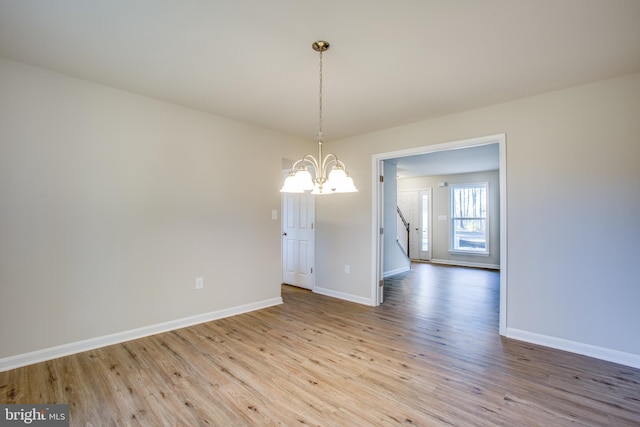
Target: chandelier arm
pixel 329 159
pixel 299 163
pixel 296 165
pixel 312 160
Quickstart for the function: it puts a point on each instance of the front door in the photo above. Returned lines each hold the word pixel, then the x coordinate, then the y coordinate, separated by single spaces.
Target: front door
pixel 298 239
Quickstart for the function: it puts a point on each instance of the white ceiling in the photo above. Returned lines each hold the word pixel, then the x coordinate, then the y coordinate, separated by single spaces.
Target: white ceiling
pixel 390 63
pixel 473 159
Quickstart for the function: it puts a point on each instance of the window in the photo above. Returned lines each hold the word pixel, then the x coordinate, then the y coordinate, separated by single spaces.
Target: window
pixel 424 220
pixel 469 218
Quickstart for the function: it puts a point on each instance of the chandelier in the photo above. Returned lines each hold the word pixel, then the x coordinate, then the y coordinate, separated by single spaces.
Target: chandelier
pixel 324 175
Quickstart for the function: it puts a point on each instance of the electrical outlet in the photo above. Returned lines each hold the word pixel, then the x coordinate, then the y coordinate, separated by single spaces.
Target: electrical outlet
pixel 199 282
pixel 347 268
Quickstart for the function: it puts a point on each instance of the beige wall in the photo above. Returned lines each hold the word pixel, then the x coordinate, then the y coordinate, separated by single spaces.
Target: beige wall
pixel 573 198
pixel 111 204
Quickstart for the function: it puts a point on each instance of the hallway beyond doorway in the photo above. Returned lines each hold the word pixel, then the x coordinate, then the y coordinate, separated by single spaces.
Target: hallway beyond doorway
pixel 451 296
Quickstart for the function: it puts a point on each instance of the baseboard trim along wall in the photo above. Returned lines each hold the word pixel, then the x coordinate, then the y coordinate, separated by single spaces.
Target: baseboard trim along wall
pixel 394 272
pixel 620 357
pixel 466 264
pixel 20 360
pixel 343 295
pixel 12 362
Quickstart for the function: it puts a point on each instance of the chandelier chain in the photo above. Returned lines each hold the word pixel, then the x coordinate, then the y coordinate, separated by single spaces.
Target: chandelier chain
pixel 320 103
pixel 324 174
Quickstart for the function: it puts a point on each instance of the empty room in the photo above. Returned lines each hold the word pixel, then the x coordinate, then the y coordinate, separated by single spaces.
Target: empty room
pixel 342 213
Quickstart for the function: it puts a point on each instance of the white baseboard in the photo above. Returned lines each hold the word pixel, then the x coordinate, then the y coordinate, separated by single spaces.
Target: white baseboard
pixel 37 356
pixel 466 264
pixel 620 357
pixel 396 271
pixel 343 295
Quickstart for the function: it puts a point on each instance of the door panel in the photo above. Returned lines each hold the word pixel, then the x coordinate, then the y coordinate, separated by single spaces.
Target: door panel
pixel 298 239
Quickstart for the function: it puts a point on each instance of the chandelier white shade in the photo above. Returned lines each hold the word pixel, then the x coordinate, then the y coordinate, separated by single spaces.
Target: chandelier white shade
pixel 321 175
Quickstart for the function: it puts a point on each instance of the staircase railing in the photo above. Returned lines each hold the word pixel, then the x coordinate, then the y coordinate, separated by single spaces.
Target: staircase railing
pixel 405 227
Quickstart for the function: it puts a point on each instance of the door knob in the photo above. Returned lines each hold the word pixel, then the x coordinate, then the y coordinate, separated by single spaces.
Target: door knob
pixel 284 234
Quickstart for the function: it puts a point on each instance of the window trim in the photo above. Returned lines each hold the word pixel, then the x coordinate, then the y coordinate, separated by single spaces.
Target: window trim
pixel 452 219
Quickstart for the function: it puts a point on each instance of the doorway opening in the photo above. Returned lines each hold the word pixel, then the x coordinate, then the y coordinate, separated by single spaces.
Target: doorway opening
pixel 378 167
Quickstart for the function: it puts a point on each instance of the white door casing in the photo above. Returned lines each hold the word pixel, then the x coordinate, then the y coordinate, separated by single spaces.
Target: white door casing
pixel 378 248
pixel 377 200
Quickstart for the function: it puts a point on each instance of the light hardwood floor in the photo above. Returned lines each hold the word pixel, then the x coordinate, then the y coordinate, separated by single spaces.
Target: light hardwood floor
pixel 429 356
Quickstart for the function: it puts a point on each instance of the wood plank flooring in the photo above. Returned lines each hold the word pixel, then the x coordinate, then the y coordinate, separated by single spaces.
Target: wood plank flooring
pixel 429 356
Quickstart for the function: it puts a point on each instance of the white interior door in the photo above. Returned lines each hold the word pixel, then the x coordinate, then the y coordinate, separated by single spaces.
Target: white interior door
pixel 298 240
